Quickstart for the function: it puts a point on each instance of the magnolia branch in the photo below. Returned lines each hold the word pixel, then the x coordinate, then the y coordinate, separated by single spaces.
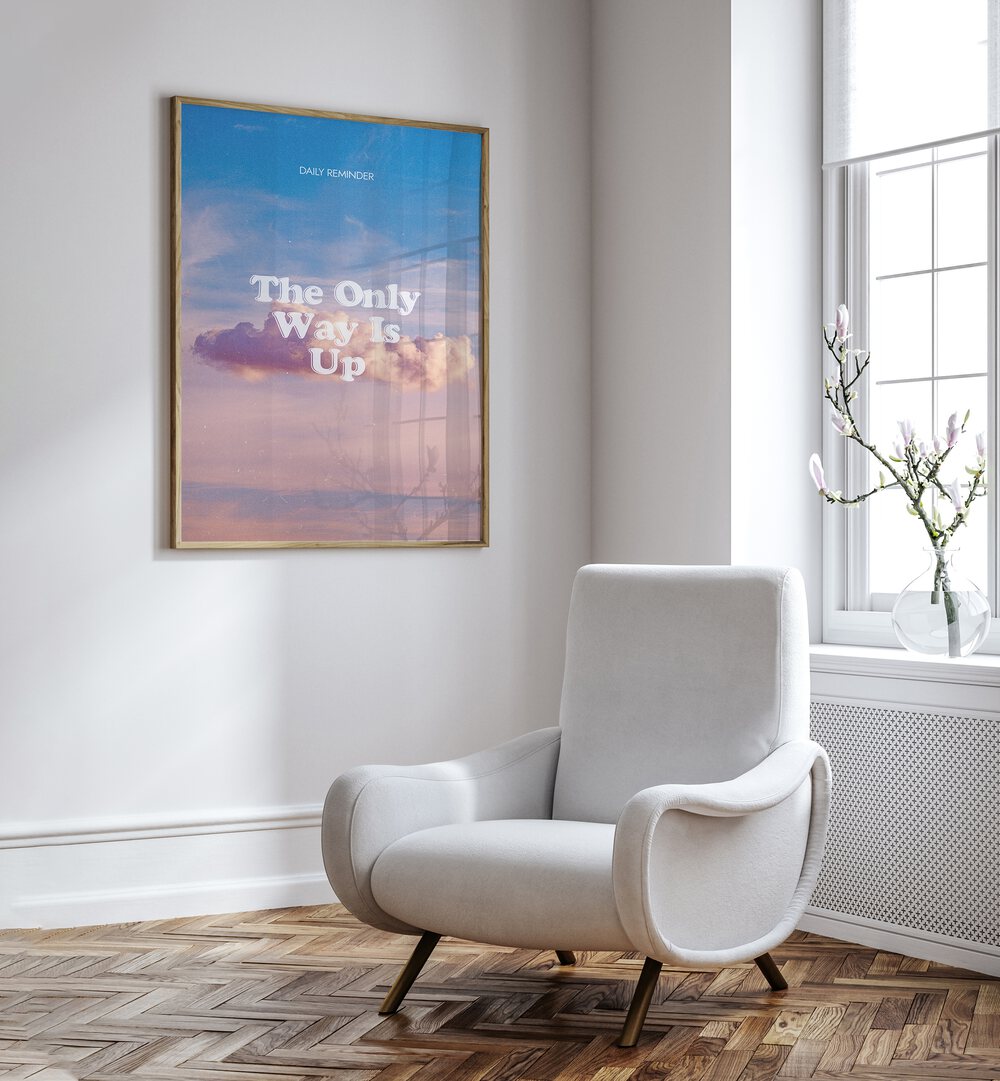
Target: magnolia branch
pixel 914 467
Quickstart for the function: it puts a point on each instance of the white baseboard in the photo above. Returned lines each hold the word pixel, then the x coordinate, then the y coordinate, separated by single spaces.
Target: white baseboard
pixel 974 956
pixel 82 872
pixel 168 902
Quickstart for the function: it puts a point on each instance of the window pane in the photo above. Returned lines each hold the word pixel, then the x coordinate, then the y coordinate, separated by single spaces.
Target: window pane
pixel 962 321
pixel 959 150
pixel 957 396
pixel 901 221
pixel 895 539
pixel 898 161
pixel 962 211
pixel 896 544
pixel 893 403
pixel 901 328
pixel 971 541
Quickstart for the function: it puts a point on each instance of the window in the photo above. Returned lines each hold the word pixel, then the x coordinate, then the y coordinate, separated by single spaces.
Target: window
pixel 911 236
pixel 928 328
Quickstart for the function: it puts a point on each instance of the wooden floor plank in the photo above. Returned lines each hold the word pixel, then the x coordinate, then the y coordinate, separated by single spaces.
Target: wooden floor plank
pixel 294 994
pixel 916 1042
pixel 803 1058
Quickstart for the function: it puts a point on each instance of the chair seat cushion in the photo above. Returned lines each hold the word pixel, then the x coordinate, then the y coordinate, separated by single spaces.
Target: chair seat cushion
pixel 512 882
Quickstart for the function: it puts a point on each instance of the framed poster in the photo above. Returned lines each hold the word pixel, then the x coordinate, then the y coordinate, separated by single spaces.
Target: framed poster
pixel 330 329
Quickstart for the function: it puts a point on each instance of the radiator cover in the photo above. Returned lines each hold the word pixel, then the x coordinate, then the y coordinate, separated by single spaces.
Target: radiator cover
pixel 914 835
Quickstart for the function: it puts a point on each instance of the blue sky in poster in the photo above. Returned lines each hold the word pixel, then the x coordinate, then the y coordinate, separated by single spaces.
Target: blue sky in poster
pixel 258 197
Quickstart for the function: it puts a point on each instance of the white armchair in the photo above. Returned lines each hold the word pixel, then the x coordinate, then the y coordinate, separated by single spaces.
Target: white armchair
pixel 679 809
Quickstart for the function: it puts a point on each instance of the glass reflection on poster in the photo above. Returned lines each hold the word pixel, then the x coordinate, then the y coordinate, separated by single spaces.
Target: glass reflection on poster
pixel 329 329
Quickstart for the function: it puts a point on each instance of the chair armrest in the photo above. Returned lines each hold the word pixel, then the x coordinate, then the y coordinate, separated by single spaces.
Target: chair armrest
pixel 369 807
pixel 720 872
pixel 767 784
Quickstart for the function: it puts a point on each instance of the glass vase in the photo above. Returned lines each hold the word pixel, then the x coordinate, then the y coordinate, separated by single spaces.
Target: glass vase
pixel 940 612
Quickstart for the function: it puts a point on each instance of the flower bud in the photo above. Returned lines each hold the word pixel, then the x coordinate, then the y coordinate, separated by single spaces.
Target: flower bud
pixel 843 321
pixel 951 435
pixel 955 491
pixel 842 424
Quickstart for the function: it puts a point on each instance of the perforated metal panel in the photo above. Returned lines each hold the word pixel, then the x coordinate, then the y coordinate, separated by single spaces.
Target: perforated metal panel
pixel 915 824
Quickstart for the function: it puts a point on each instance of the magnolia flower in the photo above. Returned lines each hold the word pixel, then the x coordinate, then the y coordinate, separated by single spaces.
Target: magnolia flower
pixel 923 449
pixel 955 491
pixel 816 470
pixel 842 424
pixel 938 445
pixel 906 431
pixel 843 321
pixel 899 450
pixel 952 433
pixel 981 445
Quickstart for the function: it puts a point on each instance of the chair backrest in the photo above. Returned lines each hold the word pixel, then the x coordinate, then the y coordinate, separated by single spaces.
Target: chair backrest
pixel 677 674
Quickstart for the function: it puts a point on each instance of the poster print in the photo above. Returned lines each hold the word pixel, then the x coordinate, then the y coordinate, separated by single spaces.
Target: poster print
pixel 329 329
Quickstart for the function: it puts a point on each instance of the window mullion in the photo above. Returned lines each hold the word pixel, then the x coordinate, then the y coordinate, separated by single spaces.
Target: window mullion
pixel 856 467
pixel 936 424
pixel 993 412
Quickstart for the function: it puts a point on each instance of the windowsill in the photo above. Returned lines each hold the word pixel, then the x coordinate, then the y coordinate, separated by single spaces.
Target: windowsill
pixel 981 669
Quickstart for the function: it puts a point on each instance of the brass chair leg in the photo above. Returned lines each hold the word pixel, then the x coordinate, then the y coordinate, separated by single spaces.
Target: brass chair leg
pixel 771 972
pixel 566 957
pixel 640 1002
pixel 411 970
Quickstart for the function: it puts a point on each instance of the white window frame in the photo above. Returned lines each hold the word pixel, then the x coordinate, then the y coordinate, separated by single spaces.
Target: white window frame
pixel 847 617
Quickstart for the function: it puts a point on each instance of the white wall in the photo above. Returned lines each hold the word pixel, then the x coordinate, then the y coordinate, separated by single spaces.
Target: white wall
pixel 707 242
pixel 776 287
pixel 661 280
pixel 147 691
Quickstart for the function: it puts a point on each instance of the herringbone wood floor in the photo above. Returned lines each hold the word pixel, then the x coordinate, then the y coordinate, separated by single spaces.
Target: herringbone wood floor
pixel 294 994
